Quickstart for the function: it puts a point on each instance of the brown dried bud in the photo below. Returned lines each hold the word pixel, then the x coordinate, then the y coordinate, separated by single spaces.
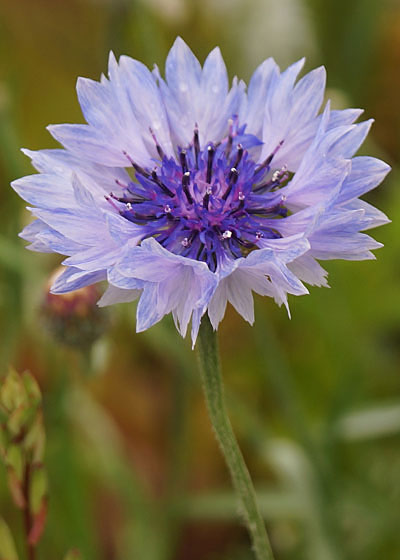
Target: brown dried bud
pixel 74 318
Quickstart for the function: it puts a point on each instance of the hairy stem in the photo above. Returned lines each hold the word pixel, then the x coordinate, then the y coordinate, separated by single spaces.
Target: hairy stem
pixel 208 355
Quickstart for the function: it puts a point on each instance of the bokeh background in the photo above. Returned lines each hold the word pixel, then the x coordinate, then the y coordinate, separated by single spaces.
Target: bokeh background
pixel 133 467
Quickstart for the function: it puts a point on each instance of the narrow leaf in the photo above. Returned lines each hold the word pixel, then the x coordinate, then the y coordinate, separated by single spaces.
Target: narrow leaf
pixel 7 546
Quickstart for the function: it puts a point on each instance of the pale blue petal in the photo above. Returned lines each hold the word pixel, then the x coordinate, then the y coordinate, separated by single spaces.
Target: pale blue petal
pixel 76 224
pixel 308 270
pixel 161 273
pixel 317 180
pixel 196 320
pixel 73 279
pixel 217 305
pixel 98 104
pixel 347 145
pixel 259 85
pixel 146 103
pixel 58 243
pixel 116 278
pixel 344 117
pixel 94 258
pixel 82 195
pixel 327 246
pixel 195 96
pixel 149 311
pixel 47 191
pixel 87 142
pixel 279 104
pixel 182 70
pixel 181 92
pixel 33 229
pixel 122 230
pixel 366 174
pixel 99 178
pixel 371 217
pixel 115 295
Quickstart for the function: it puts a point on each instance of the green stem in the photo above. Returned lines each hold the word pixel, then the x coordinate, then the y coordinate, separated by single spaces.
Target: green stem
pixel 208 355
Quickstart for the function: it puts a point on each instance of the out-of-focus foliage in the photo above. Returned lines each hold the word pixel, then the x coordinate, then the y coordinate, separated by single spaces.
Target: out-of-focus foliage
pixel 133 468
pixel 22 445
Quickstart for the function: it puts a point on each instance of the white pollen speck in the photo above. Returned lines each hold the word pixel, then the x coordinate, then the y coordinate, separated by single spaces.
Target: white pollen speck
pixel 241 196
pixel 167 209
pixel 259 235
pixel 227 234
pixel 209 190
pixel 185 242
pixel 129 206
pixel 275 175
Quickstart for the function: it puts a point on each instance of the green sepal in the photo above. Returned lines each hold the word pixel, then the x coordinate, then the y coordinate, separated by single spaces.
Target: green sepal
pixel 12 394
pixel 32 388
pixel 16 489
pixel 35 440
pixel 14 460
pixel 20 419
pixel 38 489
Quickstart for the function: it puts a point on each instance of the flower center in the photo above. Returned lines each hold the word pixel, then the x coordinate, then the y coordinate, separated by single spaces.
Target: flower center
pixel 206 204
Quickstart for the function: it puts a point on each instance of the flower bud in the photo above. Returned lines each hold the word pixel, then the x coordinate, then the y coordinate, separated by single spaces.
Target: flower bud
pixel 74 318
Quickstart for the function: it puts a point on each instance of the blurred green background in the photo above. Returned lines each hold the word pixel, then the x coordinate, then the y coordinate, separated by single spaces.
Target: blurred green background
pixel 134 470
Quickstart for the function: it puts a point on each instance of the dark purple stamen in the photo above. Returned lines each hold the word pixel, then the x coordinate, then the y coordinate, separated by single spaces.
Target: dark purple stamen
pixel 233 177
pixel 230 140
pixel 196 144
pixel 277 180
pixel 163 187
pixel 268 160
pixel 160 151
pixel 136 167
pixel 206 199
pixel 182 157
pixel 129 199
pixel 239 156
pixel 185 186
pixel 210 158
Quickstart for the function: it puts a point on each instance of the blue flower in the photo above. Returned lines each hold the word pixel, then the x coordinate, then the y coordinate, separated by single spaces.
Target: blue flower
pixel 189 194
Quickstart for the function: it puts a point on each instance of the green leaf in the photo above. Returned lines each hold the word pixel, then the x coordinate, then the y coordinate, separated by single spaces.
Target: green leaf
pixel 7 546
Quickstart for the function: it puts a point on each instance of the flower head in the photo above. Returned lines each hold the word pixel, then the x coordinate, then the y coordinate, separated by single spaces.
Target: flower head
pixel 189 194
